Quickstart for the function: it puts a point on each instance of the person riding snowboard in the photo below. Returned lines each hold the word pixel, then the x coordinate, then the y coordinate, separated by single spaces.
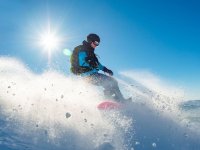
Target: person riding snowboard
pixel 84 62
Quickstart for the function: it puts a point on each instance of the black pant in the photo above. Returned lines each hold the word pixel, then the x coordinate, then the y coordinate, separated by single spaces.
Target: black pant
pixel 110 85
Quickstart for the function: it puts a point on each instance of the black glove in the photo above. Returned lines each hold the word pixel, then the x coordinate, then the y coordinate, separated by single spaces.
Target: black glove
pixel 108 71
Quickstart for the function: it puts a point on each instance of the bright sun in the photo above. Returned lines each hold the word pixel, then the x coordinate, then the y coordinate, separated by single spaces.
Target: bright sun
pixel 49 41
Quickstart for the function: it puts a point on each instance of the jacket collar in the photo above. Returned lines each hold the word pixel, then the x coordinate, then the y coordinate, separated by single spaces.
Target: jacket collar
pixel 88 46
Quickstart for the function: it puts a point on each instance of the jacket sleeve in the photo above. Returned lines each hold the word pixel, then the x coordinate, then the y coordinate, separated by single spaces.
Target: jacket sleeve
pixel 100 66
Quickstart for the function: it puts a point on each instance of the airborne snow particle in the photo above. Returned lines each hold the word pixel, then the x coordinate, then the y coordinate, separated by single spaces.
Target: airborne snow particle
pixel 185 135
pixel 137 143
pixel 45 132
pixel 105 135
pixel 68 115
pixel 154 144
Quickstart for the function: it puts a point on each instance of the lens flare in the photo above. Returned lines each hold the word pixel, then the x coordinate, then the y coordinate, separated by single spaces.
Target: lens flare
pixel 67 52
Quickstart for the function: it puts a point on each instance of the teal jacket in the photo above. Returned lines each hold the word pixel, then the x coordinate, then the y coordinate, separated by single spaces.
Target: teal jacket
pixel 84 61
pixel 82 56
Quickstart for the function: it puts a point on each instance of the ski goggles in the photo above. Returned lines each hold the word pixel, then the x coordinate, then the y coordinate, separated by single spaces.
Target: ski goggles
pixel 96 43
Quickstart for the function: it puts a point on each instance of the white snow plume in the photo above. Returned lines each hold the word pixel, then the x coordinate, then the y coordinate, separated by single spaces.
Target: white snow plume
pixel 158 95
pixel 154 83
pixel 152 89
pixel 52 111
pixel 157 115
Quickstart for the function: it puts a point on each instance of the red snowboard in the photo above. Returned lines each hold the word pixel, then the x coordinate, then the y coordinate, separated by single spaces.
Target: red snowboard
pixel 109 105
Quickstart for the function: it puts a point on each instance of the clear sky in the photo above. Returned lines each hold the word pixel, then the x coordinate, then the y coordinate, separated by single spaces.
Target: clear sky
pixel 160 36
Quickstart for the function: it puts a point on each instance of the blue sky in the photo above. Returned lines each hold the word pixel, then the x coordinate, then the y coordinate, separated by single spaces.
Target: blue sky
pixel 160 36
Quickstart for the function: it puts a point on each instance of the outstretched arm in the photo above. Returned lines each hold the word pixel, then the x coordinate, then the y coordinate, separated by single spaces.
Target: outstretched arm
pixel 103 68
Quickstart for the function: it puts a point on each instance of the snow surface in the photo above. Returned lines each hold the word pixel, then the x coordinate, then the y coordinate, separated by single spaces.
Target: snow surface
pixel 54 111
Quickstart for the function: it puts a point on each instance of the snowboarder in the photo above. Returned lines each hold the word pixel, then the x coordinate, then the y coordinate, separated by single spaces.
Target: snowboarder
pixel 84 62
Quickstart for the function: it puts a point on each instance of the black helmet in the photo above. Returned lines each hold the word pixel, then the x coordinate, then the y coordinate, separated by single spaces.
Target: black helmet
pixel 93 37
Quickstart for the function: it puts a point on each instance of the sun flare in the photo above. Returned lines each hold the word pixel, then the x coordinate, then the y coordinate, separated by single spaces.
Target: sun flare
pixel 49 41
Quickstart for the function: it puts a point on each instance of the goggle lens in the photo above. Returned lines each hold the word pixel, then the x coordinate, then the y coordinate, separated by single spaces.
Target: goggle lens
pixel 96 43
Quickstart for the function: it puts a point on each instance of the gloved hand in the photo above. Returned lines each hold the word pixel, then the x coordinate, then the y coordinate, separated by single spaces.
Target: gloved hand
pixel 108 71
